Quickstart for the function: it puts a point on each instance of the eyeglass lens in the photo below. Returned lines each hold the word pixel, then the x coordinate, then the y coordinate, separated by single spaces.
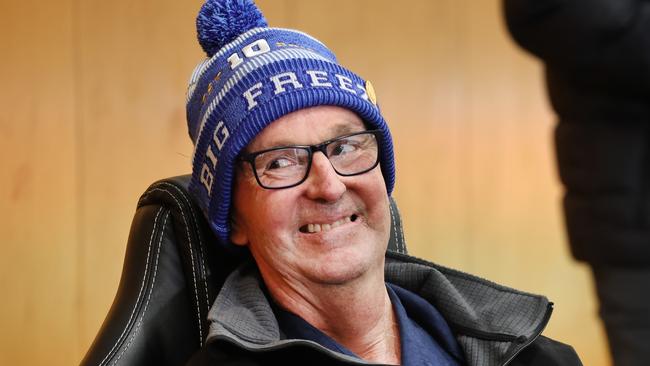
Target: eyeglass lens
pixel 285 167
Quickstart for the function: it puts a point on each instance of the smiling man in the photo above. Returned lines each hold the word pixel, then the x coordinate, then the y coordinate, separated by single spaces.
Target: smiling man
pixel 293 168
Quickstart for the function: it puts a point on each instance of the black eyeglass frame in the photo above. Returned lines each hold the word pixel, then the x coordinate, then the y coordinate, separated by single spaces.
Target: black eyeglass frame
pixel 311 149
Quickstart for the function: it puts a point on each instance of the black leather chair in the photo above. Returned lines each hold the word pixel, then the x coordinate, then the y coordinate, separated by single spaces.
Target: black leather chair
pixel 171 275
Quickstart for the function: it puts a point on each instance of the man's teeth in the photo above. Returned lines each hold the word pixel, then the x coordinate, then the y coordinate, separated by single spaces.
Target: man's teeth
pixel 317 228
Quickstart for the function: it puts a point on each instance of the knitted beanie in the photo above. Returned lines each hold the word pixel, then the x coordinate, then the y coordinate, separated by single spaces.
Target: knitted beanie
pixel 254 75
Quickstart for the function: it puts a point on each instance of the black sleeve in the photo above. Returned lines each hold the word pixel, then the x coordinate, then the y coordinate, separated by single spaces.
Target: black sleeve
pixel 596 55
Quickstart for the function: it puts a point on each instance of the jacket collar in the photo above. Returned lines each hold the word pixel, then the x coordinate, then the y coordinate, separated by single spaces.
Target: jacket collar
pixel 492 323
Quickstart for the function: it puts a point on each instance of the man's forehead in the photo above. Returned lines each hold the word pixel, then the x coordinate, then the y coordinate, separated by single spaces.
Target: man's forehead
pixel 307 126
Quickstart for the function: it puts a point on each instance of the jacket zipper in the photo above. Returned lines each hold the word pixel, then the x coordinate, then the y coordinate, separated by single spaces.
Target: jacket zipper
pixel 538 332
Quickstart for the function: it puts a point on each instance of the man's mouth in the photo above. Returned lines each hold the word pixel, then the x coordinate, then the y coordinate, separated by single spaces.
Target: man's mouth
pixel 323 227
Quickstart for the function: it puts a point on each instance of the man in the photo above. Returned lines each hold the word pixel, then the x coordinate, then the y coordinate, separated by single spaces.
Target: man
pixel 293 168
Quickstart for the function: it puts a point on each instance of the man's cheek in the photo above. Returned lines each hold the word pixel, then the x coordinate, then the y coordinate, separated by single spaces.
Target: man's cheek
pixel 280 224
pixel 277 217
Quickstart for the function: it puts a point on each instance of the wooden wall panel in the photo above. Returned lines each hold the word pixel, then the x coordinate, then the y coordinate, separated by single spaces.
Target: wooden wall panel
pixel 38 264
pixel 476 177
pixel 134 62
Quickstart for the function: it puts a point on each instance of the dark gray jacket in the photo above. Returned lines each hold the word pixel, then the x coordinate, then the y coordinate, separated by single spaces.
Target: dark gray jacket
pixel 493 324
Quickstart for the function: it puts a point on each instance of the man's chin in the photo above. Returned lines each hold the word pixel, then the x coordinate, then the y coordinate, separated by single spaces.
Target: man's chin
pixel 343 271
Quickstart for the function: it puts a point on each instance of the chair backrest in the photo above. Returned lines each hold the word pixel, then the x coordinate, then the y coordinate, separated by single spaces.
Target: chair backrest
pixel 170 278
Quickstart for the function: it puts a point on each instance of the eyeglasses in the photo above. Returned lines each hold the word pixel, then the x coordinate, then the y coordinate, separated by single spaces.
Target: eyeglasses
pixel 288 166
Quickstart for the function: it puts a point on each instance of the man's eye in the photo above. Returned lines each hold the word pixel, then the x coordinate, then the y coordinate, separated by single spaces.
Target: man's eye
pixel 344 147
pixel 280 163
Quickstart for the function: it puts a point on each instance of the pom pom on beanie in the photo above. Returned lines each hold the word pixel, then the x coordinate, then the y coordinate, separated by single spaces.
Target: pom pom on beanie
pixel 220 22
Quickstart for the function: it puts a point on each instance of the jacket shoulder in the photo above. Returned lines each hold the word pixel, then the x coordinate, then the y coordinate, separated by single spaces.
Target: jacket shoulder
pixel 547 352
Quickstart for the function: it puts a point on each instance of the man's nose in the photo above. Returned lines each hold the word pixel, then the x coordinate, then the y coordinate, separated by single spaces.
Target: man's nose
pixel 323 181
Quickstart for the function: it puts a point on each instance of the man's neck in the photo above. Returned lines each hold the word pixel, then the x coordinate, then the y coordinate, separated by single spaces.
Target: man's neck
pixel 359 316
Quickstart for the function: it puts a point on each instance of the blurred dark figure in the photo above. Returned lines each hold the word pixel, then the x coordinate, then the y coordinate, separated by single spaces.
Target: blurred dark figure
pixel 597 59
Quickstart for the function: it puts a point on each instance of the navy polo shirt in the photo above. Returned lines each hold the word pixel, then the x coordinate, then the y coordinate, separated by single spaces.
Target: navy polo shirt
pixel 425 336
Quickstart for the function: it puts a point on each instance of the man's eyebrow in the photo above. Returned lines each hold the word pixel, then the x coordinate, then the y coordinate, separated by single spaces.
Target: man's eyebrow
pixel 344 129
pixel 339 130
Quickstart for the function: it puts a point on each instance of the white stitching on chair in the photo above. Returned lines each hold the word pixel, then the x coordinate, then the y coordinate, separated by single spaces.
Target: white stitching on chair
pixel 401 242
pixel 203 267
pixel 392 215
pixel 119 340
pixel 401 232
pixel 153 282
pixel 189 239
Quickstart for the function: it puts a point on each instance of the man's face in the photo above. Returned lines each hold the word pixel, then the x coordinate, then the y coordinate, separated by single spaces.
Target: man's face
pixel 274 222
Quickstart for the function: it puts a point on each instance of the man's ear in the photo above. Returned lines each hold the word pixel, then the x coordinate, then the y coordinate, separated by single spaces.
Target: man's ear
pixel 238 235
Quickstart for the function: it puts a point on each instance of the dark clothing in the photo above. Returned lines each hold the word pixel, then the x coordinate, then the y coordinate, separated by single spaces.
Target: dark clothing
pixel 596 55
pixel 432 345
pixel 294 327
pixel 597 61
pixel 419 346
pixel 491 324
pixel 625 309
pixel 426 338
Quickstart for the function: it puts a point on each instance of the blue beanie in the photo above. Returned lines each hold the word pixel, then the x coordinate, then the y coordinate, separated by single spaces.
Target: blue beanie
pixel 254 75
